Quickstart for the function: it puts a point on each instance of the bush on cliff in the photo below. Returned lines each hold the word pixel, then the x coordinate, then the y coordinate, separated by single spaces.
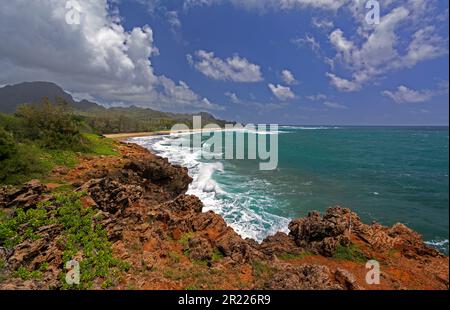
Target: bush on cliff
pixel 51 125
pixel 7 145
pixel 42 136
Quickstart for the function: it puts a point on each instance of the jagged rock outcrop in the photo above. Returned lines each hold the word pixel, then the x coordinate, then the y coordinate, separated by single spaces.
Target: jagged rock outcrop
pixel 25 197
pixel 164 234
pixel 323 234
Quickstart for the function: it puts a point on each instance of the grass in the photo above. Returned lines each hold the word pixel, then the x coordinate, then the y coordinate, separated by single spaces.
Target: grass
pixel 184 240
pixel 216 255
pixel 291 256
pixel 261 269
pixel 98 145
pixel 174 257
pixel 350 253
pixel 2 264
pixel 36 162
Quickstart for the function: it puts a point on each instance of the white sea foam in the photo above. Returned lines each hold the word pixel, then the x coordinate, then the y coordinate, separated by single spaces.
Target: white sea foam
pixel 244 208
pixel 441 245
pixel 309 127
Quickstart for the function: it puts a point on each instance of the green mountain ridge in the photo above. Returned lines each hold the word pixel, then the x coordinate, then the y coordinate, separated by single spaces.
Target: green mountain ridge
pixel 100 118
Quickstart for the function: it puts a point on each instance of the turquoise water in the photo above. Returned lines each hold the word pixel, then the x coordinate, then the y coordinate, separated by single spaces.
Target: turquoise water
pixel 387 175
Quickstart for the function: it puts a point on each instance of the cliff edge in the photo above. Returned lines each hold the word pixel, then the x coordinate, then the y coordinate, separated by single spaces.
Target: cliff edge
pixel 165 241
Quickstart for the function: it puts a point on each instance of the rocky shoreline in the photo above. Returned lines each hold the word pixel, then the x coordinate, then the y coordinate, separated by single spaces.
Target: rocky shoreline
pixel 169 243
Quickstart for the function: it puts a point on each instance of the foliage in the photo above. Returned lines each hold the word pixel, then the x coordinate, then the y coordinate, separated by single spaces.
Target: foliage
pixel 216 255
pixel 7 145
pixel 350 253
pixel 23 226
pixel 41 137
pixel 84 235
pixel 51 125
pixel 83 238
pixel 290 256
pixel 260 269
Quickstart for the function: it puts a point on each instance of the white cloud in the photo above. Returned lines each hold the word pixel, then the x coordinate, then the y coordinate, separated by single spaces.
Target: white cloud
pixel 234 68
pixel 378 49
pixel 322 23
pixel 233 97
pixel 265 5
pixel 404 94
pixel 317 97
pixel 173 19
pixel 342 84
pixel 282 92
pixel 98 57
pixel 288 77
pixel 307 41
pixel 334 105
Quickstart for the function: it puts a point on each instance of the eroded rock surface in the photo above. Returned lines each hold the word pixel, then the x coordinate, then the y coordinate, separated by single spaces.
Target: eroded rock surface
pixel 171 244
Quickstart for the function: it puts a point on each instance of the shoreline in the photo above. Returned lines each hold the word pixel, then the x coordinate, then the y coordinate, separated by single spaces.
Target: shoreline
pixel 123 136
pixel 171 243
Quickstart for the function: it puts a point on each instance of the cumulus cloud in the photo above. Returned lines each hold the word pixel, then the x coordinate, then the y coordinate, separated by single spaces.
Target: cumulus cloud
pixel 378 49
pixel 282 92
pixel 404 94
pixel 98 57
pixel 288 77
pixel 234 68
pixel 343 84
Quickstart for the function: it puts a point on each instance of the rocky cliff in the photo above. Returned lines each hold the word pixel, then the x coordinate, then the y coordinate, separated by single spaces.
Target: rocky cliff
pixel 169 243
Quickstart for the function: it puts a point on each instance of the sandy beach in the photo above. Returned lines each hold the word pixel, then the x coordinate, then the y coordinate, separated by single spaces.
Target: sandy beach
pixel 124 136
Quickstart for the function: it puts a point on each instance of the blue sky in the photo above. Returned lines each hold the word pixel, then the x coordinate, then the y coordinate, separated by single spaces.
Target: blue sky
pixel 270 61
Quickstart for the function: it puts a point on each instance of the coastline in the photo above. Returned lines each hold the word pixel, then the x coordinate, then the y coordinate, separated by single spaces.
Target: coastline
pixel 171 243
pixel 124 136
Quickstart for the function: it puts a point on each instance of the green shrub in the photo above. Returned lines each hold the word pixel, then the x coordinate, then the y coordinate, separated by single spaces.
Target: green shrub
pixel 81 234
pixel 7 145
pixel 52 125
pixel 84 235
pixel 26 164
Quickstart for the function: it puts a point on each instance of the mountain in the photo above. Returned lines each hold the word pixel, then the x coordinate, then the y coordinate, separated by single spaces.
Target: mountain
pixel 11 96
pixel 105 120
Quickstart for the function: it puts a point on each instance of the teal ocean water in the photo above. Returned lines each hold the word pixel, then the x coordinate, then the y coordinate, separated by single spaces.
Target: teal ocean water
pixel 385 174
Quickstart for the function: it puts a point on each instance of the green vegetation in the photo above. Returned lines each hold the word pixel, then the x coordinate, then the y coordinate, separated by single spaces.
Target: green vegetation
pixel 261 269
pixel 174 257
pixel 184 240
pixel 24 274
pixel 290 256
pixel 42 136
pixel 23 226
pixel 82 236
pixel 350 253
pixel 216 255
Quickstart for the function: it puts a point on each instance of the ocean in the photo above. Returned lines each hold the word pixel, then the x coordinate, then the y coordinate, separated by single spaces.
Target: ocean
pixel 384 174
